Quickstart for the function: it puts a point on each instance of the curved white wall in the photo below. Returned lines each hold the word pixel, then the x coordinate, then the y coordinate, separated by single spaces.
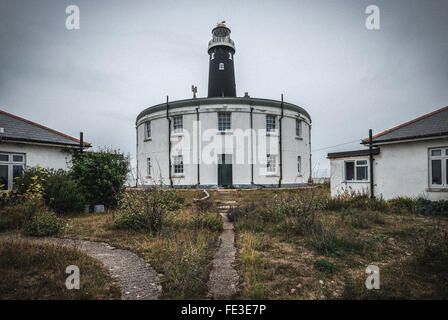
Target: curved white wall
pixel 235 142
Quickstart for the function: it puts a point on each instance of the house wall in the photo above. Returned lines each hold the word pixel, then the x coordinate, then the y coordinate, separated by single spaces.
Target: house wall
pixel 228 143
pixel 400 170
pixel 52 157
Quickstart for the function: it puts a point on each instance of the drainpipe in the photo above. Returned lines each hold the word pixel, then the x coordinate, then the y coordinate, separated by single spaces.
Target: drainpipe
pixel 310 179
pixel 81 142
pixel 372 193
pixel 280 147
pixel 251 147
pixel 169 142
pixel 136 158
pixel 199 151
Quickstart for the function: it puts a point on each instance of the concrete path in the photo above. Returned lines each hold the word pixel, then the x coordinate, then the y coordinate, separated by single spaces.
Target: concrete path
pixel 223 277
pixel 137 279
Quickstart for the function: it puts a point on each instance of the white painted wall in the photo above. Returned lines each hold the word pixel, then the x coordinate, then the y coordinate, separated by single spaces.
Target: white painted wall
pixel 45 156
pixel 157 147
pixel 400 170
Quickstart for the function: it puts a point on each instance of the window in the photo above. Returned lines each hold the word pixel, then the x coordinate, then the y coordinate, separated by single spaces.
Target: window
pixel 221 66
pixel 178 124
pixel 299 164
pixel 298 128
pixel 178 164
pixel 147 129
pixel 230 55
pixel 438 167
pixel 149 166
pixel 270 163
pixel 212 56
pixel 356 170
pixel 11 167
pixel 270 123
pixel 224 121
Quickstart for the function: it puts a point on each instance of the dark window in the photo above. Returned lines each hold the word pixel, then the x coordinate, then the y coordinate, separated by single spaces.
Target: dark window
pixel 436 166
pixel 4 177
pixel 17 158
pixel 178 123
pixel 298 128
pixel 148 129
pixel 224 121
pixel 178 164
pixel 349 171
pixel 221 66
pixel 149 166
pixel 4 157
pixel 299 163
pixel 270 123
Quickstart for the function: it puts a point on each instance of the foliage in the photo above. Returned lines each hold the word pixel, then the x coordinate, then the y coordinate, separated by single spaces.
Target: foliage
pixel 15 215
pixel 325 266
pixel 428 207
pixel 403 204
pixel 352 199
pixel 101 175
pixel 207 220
pixel 42 224
pixel 362 218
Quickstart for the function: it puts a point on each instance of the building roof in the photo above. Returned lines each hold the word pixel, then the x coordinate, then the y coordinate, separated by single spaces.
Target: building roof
pixel 433 124
pixel 18 129
pixel 353 153
pixel 222 100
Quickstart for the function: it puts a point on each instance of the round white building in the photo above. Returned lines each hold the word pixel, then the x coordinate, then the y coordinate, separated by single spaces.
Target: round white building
pixel 223 140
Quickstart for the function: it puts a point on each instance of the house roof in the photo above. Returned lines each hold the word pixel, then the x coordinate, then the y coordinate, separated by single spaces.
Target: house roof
pixel 18 129
pixel 433 124
pixel 353 153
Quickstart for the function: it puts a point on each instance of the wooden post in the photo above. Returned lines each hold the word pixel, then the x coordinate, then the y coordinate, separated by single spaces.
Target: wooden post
pixel 372 193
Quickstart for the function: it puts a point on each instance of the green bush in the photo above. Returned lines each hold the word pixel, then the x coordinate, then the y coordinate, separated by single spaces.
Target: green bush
pixel 41 225
pixel 62 194
pixel 101 175
pixel 127 221
pixel 432 208
pixel 207 220
pixel 15 215
pixel 325 266
pixel 403 204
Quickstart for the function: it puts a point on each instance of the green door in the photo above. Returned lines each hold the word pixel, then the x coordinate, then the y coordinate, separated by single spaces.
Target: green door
pixel 225 170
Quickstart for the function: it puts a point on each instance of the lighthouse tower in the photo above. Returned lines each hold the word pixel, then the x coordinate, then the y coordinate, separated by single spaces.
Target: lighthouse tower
pixel 221 50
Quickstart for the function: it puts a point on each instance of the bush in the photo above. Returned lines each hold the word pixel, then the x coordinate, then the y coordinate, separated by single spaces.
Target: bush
pixel 428 207
pixel 127 221
pixel 403 204
pixel 324 266
pixel 14 216
pixel 359 200
pixel 206 220
pixel 101 175
pixel 41 225
pixel 62 194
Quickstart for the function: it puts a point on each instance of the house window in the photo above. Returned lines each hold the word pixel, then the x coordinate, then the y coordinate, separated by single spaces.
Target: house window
pixel 270 123
pixel 299 164
pixel 439 167
pixel 11 167
pixel 298 128
pixel 356 170
pixel 224 121
pixel 270 163
pixel 221 66
pixel 178 124
pixel 147 129
pixel 230 55
pixel 149 166
pixel 212 56
pixel 178 164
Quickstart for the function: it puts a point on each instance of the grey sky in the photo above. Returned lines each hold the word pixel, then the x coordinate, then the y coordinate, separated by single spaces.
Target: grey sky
pixel 130 54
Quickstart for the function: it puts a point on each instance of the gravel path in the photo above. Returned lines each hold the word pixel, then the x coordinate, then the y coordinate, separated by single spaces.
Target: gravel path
pixel 137 279
pixel 223 277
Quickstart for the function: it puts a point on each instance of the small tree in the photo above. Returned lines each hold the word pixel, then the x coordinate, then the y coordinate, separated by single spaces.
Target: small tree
pixel 101 175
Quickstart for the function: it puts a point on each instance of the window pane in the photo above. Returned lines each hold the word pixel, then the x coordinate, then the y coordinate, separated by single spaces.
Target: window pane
pixel 361 173
pixel 221 66
pixel 4 157
pixel 223 121
pixel 270 123
pixel 299 160
pixel 148 129
pixel 4 177
pixel 178 164
pixel 436 152
pixel 178 124
pixel 446 172
pixel 361 162
pixel 436 174
pixel 16 172
pixel 17 158
pixel 349 171
pixel 298 128
pixel 446 152
pixel 149 166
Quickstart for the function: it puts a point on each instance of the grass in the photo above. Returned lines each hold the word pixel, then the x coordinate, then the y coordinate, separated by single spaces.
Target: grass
pixel 37 271
pixel 327 259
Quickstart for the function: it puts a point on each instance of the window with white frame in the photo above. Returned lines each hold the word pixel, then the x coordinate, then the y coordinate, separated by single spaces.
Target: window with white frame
pixel 356 170
pixel 178 164
pixel 178 124
pixel 438 167
pixel 299 164
pixel 271 165
pixel 11 167
pixel 298 128
pixel 147 129
pixel 224 121
pixel 270 123
pixel 221 66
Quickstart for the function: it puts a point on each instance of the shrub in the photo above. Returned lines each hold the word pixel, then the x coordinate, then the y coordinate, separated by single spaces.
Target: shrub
pixel 127 221
pixel 403 204
pixel 428 207
pixel 324 266
pixel 41 225
pixel 206 220
pixel 204 205
pixel 359 200
pixel 62 194
pixel 14 216
pixel 101 175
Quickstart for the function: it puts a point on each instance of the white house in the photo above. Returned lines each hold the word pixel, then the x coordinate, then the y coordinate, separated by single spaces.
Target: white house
pixel 223 140
pixel 24 143
pixel 410 160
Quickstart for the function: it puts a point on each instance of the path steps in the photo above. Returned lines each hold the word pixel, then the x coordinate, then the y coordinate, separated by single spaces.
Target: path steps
pixel 223 277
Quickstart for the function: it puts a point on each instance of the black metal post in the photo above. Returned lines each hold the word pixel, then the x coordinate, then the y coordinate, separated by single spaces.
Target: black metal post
pixel 169 142
pixel 198 146
pixel 81 142
pixel 251 146
pixel 372 193
pixel 280 147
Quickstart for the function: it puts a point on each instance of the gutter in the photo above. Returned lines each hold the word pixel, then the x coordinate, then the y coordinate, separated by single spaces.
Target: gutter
pixel 251 146
pixel 169 142
pixel 136 158
pixel 372 194
pixel 280 146
pixel 310 179
pixel 199 149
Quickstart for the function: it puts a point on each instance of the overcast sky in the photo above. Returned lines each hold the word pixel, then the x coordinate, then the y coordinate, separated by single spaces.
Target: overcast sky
pixel 128 55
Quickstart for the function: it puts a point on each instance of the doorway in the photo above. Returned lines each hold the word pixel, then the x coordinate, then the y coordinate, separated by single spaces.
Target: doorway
pixel 225 170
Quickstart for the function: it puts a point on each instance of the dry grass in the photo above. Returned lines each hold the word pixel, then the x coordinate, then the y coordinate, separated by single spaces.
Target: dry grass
pixel 37 271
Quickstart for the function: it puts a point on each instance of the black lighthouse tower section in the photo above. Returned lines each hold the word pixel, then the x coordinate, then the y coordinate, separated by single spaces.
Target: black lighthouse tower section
pixel 221 49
